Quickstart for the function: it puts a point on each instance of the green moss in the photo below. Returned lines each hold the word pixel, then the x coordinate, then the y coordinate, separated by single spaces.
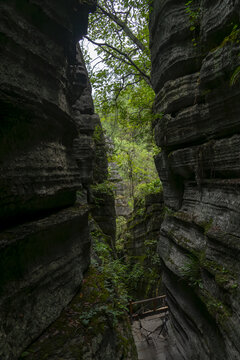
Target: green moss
pixel 183 216
pixel 207 226
pixel 206 92
pixel 214 267
pixel 170 261
pixel 232 38
pixel 124 344
pixel 223 276
pixel 168 211
pixel 136 223
pixel 220 311
pixel 89 317
pixel 185 242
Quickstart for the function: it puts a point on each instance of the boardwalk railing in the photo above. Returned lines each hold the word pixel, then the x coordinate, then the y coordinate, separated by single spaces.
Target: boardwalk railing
pixel 148 307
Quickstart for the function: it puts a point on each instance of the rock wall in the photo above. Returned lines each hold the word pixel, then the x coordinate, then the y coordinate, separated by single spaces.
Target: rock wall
pixel 92 325
pixel 195 73
pixel 102 198
pixel 141 235
pixel 46 154
pixel 144 223
pixel 120 191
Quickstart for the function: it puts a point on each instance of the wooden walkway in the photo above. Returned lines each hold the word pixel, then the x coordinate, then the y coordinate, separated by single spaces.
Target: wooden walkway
pixel 150 344
pixel 147 307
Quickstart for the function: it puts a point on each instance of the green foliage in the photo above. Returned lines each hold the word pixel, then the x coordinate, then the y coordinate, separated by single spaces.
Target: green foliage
pixel 152 187
pixel 133 153
pixel 103 300
pixel 123 95
pixel 144 275
pixel 206 225
pixel 113 273
pixel 132 110
pixel 98 134
pixel 191 271
pixel 105 187
pixel 121 234
pixel 223 276
pixel 119 32
pixel 194 16
pixel 135 275
pixel 122 276
pixel 151 252
pixel 168 211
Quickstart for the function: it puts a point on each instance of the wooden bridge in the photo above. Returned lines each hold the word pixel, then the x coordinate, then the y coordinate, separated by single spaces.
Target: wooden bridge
pixel 147 307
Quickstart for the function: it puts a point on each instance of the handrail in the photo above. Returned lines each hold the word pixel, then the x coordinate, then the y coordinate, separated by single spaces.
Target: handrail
pixel 150 312
pixel 155 310
pixel 148 300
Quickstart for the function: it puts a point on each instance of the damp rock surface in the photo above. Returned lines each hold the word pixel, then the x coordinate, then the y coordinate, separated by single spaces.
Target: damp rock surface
pixel 195 74
pixel 46 155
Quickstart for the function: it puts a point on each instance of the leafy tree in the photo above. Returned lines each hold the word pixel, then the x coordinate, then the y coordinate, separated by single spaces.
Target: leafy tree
pixel 133 153
pixel 119 31
pixel 123 96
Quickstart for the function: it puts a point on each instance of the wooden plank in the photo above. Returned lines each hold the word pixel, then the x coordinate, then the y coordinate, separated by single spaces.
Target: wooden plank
pixel 151 312
pixel 148 300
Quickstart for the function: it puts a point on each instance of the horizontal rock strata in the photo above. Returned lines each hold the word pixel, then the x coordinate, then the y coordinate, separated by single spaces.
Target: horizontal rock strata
pixel 195 73
pixel 144 223
pixel 46 154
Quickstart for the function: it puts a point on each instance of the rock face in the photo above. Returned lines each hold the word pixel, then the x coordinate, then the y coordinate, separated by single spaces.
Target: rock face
pixel 92 325
pixel 46 154
pixel 101 195
pixel 141 237
pixel 196 76
pixel 121 192
pixel 85 330
pixel 144 223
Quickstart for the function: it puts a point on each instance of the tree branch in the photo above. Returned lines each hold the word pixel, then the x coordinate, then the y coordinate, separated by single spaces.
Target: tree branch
pixel 130 62
pixel 124 27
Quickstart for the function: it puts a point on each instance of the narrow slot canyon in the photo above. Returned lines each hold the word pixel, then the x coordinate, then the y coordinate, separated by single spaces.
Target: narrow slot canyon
pixel 120 180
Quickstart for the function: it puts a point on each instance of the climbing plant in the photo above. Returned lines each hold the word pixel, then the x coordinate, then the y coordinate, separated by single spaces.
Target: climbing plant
pixel 194 16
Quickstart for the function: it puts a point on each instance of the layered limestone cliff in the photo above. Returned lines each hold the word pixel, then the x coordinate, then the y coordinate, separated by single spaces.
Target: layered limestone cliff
pixel 195 49
pixel 141 235
pixel 92 326
pixel 144 223
pixel 46 154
